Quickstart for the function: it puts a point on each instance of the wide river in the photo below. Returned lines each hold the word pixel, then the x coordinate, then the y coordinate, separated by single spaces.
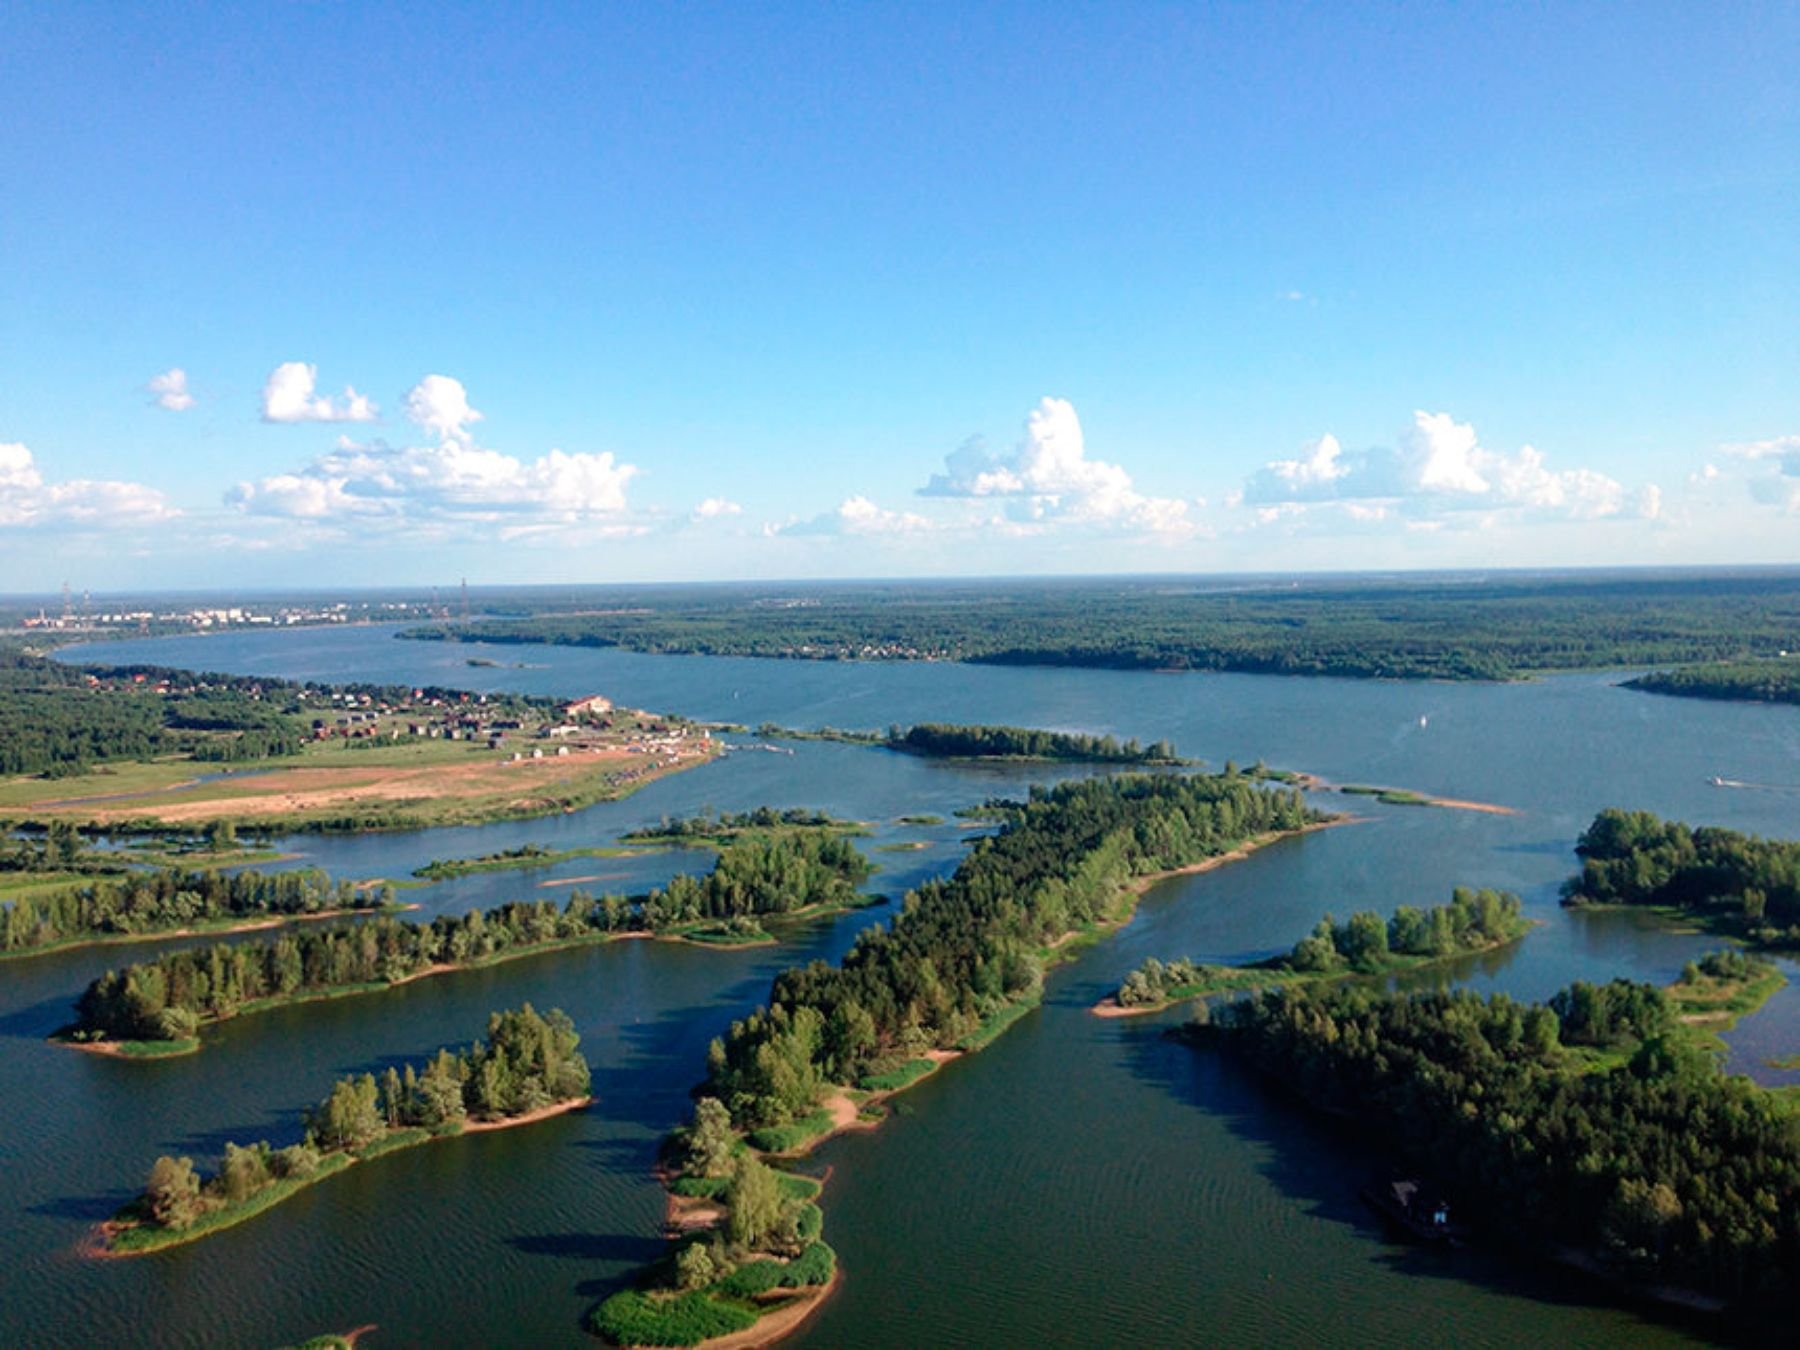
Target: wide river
pixel 1082 1182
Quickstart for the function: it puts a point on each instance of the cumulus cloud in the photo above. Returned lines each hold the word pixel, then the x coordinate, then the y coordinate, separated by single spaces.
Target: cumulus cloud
pixel 289 396
pixel 450 481
pixel 1771 471
pixel 713 507
pixel 1048 478
pixel 441 405
pixel 171 391
pixel 856 516
pixel 27 500
pixel 1438 464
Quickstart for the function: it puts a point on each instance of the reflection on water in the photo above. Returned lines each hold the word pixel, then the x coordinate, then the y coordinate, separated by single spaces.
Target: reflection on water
pixel 1082 1182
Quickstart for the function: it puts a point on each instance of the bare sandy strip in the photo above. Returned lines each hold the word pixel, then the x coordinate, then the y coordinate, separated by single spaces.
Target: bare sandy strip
pixel 283 791
pixel 1458 804
pixel 529 1118
pixel 774 1326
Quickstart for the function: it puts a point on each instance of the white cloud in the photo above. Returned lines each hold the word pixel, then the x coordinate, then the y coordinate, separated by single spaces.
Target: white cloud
pixel 1438 464
pixel 452 481
pixel 171 390
pixel 1314 477
pixel 1786 449
pixel 1779 484
pixel 441 405
pixel 289 396
pixel 714 507
pixel 856 516
pixel 27 500
pixel 1048 478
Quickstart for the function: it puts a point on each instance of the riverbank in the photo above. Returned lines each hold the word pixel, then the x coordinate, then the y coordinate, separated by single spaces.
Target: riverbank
pixel 693 934
pixel 404 786
pixel 121 1237
pixel 222 928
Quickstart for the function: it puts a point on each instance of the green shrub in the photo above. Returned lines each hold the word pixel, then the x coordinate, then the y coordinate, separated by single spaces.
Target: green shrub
pixel 632 1317
pixel 787 1138
pixel 895 1079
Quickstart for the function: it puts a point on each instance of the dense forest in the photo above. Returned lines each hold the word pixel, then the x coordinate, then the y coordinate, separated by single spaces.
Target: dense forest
pixel 1366 945
pixel 61 719
pixel 1737 883
pixel 710 826
pixel 990 742
pixel 1654 1162
pixel 966 949
pixel 1744 681
pixel 170 997
pixel 171 898
pixel 527 1063
pixel 1438 628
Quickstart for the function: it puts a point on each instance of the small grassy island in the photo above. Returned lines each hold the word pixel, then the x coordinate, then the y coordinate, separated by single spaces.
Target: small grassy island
pixel 937 740
pixel 1771 681
pixel 521 859
pixel 963 960
pixel 527 1070
pixel 152 750
pixel 1595 1129
pixel 1725 882
pixel 156 1008
pixel 1472 923
pixel 709 830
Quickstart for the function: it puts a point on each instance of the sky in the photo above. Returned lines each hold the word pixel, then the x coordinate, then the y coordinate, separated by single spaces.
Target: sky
pixel 334 294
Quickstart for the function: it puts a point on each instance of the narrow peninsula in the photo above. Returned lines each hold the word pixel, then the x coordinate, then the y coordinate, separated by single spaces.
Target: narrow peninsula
pixel 157 1008
pixel 963 961
pixel 528 1069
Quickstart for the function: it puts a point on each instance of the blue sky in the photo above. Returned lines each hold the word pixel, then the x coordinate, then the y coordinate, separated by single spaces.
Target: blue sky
pixel 658 292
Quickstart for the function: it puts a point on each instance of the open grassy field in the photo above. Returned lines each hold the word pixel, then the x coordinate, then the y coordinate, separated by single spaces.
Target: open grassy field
pixel 406 784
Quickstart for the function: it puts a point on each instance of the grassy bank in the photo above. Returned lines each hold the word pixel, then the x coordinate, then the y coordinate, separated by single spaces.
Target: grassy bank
pixel 1275 973
pixel 127 1235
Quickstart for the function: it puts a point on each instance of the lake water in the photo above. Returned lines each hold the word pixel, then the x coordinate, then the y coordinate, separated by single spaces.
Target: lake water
pixel 1082 1182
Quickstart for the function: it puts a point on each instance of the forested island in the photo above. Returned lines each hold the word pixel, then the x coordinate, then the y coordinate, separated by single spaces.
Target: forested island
pixel 527 1069
pixel 1594 1129
pixel 708 829
pixel 157 751
pixel 1474 921
pixel 1442 627
pixel 937 740
pixel 172 902
pixel 963 960
pixel 1732 883
pixel 1776 681
pixel 157 1007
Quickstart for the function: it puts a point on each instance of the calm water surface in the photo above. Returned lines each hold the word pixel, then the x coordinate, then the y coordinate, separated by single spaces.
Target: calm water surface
pixel 1080 1183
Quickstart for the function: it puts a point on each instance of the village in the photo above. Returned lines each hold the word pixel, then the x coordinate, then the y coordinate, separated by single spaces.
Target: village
pixel 530 732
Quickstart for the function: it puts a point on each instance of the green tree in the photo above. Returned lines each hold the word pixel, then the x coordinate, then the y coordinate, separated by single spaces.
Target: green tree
pixel 753 1202
pixel 173 1192
pixel 711 1142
